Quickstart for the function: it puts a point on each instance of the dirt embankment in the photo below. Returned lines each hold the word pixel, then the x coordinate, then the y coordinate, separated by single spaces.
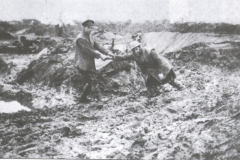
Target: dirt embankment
pixel 219 55
pixel 165 42
pixel 59 70
pixel 199 122
pixel 4 35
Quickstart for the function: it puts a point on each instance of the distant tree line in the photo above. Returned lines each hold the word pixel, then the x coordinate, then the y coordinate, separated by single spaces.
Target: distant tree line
pixel 165 25
pixel 40 29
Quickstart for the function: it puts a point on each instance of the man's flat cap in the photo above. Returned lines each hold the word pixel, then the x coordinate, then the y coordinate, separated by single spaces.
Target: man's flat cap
pixel 88 23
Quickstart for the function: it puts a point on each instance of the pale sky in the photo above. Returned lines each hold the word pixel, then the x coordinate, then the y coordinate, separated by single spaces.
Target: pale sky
pixel 50 11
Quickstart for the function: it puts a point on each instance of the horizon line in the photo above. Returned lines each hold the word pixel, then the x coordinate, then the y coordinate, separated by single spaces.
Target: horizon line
pixel 132 22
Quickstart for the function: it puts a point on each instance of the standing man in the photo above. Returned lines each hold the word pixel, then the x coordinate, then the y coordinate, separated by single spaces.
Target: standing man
pixel 156 69
pixel 84 56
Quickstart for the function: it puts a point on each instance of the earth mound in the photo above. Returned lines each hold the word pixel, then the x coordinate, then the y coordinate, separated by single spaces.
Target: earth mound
pixel 220 55
pixel 4 35
pixel 165 42
pixel 58 70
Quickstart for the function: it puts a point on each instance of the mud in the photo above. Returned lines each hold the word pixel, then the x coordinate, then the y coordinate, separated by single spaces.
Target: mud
pixel 199 122
pixel 3 66
pixel 10 93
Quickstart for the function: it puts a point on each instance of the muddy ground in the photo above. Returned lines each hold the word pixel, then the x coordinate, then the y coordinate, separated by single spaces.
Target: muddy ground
pixel 199 122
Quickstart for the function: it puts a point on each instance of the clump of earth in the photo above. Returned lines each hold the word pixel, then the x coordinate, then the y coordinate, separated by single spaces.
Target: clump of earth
pixel 199 122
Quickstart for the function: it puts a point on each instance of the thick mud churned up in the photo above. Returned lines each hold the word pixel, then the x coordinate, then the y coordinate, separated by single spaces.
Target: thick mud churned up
pixel 200 122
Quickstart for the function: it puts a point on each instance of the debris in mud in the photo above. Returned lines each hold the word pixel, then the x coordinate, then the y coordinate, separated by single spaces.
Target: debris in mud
pixel 4 35
pixel 26 45
pixel 10 94
pixel 3 66
pixel 65 131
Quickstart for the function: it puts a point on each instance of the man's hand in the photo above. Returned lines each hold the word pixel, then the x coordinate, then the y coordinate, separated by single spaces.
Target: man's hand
pixel 104 58
pixel 98 55
pixel 107 58
pixel 110 54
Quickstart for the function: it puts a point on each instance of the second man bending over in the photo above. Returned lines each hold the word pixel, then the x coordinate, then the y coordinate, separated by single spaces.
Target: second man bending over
pixel 156 69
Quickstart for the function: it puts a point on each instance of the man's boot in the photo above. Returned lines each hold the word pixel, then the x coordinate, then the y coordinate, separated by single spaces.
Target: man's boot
pixel 86 90
pixel 151 92
pixel 83 99
pixel 97 96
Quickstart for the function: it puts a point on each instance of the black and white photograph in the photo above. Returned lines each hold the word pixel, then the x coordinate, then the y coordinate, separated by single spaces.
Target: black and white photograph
pixel 120 79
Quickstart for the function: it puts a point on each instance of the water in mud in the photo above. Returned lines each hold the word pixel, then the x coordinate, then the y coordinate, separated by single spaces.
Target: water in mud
pixel 11 107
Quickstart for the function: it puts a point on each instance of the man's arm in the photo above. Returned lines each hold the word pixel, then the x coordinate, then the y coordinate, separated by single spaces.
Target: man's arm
pixel 154 55
pixel 83 44
pixel 100 48
pixel 123 58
